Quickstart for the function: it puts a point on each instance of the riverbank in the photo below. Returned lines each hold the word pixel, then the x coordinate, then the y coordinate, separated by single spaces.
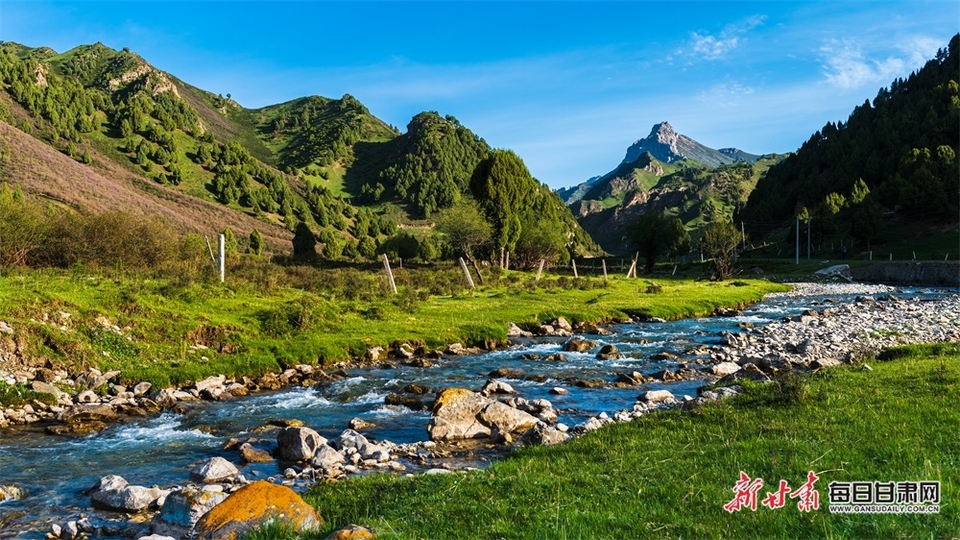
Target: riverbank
pixel 67 341
pixel 675 474
pixel 708 363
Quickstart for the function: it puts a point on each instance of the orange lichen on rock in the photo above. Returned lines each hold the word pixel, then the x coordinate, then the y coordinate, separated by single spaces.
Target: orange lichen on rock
pixel 448 396
pixel 253 506
pixel 352 532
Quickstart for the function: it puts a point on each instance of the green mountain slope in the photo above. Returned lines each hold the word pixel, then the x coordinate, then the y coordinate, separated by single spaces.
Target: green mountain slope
pixel 892 164
pixel 326 163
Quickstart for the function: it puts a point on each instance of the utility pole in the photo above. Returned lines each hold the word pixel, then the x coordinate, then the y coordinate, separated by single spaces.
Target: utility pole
pixel 798 239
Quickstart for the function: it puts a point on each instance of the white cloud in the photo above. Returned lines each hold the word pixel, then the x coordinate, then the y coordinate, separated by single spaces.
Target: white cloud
pixel 715 47
pixel 726 95
pixel 846 65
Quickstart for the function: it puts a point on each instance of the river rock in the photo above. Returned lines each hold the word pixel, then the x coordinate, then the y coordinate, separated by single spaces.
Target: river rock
pixel 725 368
pixel 411 402
pixel 213 471
pixel 656 396
pixel 86 413
pixel 576 344
pixel 608 352
pixel 352 532
pixel 251 454
pixel 358 424
pixel 47 388
pixel 455 415
pixel 542 434
pixel 327 458
pixel 349 438
pixel 210 383
pixel 495 387
pixel 182 509
pixel 561 323
pixel 559 391
pixel 298 443
pixel 823 363
pixel 515 331
pixel 505 418
pixel 375 354
pixel 127 498
pixel 11 493
pixel 251 507
pixel 629 379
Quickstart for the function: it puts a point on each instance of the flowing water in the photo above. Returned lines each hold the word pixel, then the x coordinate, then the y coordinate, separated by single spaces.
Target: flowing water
pixel 161 450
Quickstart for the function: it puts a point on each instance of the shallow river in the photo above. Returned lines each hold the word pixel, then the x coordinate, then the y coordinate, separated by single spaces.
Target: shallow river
pixel 161 450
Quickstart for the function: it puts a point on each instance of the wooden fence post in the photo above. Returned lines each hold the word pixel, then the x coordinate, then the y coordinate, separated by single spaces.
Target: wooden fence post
pixel 539 271
pixel 386 267
pixel 466 273
pixel 222 250
pixel 574 262
pixel 604 261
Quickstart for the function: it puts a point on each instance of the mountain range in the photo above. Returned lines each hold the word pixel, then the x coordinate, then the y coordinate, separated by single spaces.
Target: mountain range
pixel 95 128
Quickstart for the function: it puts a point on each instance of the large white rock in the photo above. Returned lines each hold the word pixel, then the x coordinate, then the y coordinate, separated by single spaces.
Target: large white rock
pixel 214 470
pixel 725 368
pixel 655 396
pixel 127 498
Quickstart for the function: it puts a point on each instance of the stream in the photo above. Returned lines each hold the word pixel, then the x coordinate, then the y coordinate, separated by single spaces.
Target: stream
pixel 161 450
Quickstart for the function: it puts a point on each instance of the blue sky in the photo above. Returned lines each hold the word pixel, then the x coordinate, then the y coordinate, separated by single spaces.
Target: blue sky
pixel 567 85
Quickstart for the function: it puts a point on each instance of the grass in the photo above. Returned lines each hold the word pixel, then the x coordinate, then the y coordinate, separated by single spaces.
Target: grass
pixel 264 320
pixel 669 475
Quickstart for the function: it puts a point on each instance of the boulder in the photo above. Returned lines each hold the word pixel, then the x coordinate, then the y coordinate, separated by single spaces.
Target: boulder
pixel 515 331
pixel 542 434
pixel 251 507
pixel 11 493
pixel 298 443
pixel 350 439
pixel 655 396
pixel 251 454
pixel 559 391
pixel 455 415
pixel 79 414
pixel 47 388
pixel 210 383
pixel 506 419
pixel 213 471
pixel 327 458
pixel 494 386
pixel 141 389
pixel 608 352
pixel 165 398
pixel 822 363
pixel 375 354
pixel 576 344
pixel 725 368
pixel 562 324
pixel 358 424
pixel 182 509
pixel 127 498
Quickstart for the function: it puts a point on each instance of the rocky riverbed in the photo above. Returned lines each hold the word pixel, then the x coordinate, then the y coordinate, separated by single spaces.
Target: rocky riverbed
pixel 847 324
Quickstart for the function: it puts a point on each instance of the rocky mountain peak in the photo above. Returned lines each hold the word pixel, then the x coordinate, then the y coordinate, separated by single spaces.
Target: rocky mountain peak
pixel 666 145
